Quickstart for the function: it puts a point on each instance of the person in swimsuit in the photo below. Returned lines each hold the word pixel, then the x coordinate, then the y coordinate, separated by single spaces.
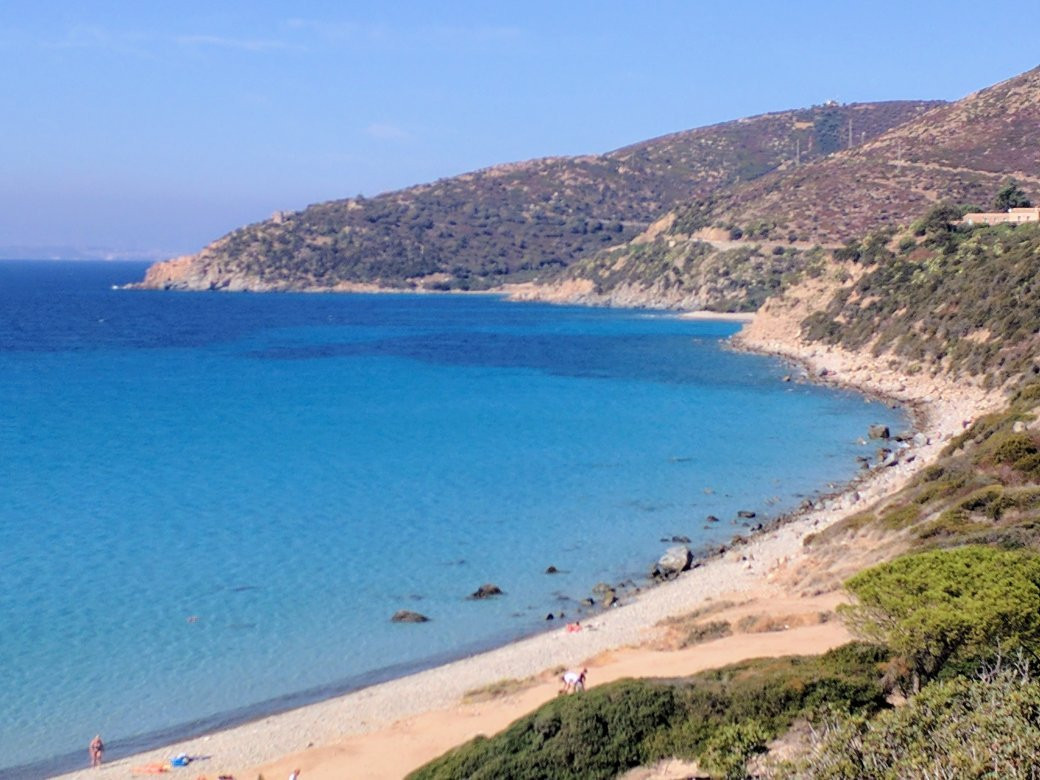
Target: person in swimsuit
pixel 97 750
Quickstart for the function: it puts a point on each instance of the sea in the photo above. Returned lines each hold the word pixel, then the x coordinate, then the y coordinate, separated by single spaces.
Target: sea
pixel 211 504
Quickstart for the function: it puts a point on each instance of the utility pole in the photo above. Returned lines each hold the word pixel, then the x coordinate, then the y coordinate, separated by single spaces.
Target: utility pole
pixel 797 152
pixel 850 132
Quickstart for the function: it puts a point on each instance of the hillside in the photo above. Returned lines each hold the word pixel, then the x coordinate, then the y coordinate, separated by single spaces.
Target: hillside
pixel 938 553
pixel 517 221
pixel 961 152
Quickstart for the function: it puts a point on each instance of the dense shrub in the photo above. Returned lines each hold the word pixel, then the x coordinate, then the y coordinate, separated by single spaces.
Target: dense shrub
pixel 593 735
pixel 936 607
pixel 987 727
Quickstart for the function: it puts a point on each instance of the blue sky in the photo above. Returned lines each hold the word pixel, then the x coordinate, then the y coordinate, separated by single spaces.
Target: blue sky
pixel 155 127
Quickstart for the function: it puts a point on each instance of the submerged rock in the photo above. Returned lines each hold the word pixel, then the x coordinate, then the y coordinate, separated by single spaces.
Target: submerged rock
pixel 878 432
pixel 745 514
pixel 407 616
pixel 712 519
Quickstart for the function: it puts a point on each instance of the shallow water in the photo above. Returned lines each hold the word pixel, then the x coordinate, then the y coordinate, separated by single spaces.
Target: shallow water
pixel 211 504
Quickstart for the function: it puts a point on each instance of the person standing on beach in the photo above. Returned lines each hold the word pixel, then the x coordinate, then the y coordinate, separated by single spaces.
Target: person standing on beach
pixel 97 750
pixel 295 775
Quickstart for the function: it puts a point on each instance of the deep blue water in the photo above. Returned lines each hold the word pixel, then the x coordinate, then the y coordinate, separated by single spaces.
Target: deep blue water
pixel 211 504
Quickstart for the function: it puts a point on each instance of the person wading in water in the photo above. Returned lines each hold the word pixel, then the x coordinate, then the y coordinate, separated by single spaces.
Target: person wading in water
pixel 97 750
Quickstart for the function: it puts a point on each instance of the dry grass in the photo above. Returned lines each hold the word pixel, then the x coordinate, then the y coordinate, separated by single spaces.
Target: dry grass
pixel 499 688
pixel 691 629
pixel 761 623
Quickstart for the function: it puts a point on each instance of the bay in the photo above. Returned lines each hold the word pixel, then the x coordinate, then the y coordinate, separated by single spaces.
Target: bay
pixel 211 504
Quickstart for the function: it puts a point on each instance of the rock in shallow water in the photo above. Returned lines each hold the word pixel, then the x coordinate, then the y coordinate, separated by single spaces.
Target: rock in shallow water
pixel 407 616
pixel 486 591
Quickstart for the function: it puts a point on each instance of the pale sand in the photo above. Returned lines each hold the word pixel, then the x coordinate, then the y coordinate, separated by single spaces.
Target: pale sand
pixel 388 729
pixel 717 315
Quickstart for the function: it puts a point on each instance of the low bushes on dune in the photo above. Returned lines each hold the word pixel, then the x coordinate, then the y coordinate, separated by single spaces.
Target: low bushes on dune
pixel 614 727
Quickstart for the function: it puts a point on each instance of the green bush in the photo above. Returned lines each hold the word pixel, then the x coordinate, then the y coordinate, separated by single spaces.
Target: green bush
pixel 727 751
pixel 961 728
pixel 899 517
pixel 595 734
pixel 1013 447
pixel 935 607
pixel 1029 466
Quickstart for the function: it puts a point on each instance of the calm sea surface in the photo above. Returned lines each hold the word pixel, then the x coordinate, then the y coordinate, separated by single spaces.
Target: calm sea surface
pixel 211 504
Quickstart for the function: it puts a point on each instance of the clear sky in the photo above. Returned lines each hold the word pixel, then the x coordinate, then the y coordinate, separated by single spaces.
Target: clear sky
pixel 155 126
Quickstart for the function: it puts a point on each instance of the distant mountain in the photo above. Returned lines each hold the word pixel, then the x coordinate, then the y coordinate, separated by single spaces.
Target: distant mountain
pixel 733 247
pixel 519 221
pixel 32 252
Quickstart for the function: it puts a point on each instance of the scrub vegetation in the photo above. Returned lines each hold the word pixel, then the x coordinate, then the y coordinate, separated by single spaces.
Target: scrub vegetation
pixel 523 221
pixel 956 299
pixel 721 717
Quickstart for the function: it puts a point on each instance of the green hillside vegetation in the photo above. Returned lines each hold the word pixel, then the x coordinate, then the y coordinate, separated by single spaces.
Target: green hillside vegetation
pixel 962 300
pixel 690 273
pixel 722 716
pixel 524 220
pixel 953 624
pixel 942 607
pixel 961 151
pixel 968 620
pixel 965 622
pixel 984 489
pixel 985 726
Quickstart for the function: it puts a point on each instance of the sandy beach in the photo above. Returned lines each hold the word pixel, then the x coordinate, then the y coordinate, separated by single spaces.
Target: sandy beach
pixel 387 730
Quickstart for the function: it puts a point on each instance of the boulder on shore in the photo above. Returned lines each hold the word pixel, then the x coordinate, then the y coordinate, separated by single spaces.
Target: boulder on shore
pixel 407 616
pixel 486 591
pixel 674 561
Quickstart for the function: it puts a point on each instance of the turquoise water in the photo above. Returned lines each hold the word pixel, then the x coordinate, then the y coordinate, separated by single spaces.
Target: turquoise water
pixel 211 504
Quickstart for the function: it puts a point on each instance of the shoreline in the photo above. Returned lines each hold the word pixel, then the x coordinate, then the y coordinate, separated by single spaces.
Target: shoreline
pixel 306 735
